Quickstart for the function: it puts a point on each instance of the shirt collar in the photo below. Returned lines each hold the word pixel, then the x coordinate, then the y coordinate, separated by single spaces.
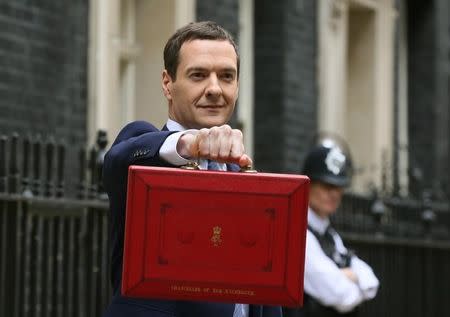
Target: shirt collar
pixel 174 126
pixel 317 223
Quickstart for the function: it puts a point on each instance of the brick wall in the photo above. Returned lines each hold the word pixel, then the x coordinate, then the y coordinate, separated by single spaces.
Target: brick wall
pixel 428 94
pixel 442 114
pixel 43 64
pixel 300 90
pixel 224 12
pixel 43 47
pixel 285 83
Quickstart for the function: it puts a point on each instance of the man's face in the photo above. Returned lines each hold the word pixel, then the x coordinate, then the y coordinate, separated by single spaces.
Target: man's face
pixel 206 87
pixel 324 199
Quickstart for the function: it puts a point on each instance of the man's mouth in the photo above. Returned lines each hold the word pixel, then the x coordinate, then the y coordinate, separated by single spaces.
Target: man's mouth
pixel 210 106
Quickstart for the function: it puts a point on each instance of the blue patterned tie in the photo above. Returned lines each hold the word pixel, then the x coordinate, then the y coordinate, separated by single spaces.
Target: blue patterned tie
pixel 240 310
pixel 213 165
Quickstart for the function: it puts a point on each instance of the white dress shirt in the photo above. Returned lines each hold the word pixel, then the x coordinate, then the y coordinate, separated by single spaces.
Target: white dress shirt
pixel 325 282
pixel 168 152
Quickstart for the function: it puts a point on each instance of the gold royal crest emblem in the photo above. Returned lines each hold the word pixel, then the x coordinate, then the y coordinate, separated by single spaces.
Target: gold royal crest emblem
pixel 216 238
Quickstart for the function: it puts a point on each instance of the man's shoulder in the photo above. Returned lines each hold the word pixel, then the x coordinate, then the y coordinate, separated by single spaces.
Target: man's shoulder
pixel 134 129
pixel 139 127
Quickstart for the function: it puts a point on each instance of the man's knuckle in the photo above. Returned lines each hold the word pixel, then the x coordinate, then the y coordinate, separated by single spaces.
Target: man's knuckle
pixel 237 133
pixel 215 131
pixel 203 131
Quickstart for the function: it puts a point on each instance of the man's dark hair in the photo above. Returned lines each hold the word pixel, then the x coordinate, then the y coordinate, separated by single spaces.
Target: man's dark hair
pixel 205 30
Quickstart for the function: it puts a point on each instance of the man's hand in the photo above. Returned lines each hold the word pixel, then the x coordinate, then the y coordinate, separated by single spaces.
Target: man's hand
pixel 221 144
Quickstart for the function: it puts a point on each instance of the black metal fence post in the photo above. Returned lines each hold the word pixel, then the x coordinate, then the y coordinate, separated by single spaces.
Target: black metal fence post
pixel 49 168
pixel 61 155
pixel 53 242
pixel 13 183
pixel 26 181
pixel 3 224
pixel 3 168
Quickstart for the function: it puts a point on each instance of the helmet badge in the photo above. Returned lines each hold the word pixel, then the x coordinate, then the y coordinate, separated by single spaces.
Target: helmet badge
pixel 335 161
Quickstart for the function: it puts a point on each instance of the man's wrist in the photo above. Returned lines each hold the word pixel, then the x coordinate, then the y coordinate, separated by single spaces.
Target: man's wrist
pixel 184 144
pixel 168 150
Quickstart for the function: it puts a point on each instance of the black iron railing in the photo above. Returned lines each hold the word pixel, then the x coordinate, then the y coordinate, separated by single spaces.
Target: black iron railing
pixel 394 217
pixel 54 257
pixel 53 243
pixel 407 243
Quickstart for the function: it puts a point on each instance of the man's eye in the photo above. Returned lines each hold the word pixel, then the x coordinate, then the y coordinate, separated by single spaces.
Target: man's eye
pixel 197 76
pixel 228 76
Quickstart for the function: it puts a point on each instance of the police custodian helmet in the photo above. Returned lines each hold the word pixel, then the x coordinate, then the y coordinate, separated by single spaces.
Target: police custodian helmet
pixel 329 164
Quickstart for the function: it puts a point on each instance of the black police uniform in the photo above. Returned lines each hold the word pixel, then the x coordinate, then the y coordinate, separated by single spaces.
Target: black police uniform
pixel 331 166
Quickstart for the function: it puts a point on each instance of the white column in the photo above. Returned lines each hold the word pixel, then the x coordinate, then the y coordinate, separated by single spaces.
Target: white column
pixel 103 67
pixel 129 51
pixel 184 12
pixel 403 101
pixel 333 37
pixel 384 84
pixel 246 83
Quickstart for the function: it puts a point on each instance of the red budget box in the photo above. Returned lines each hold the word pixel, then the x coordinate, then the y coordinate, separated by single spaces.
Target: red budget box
pixel 215 236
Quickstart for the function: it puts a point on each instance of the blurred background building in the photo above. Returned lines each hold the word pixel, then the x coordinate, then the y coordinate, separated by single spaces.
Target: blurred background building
pixel 375 72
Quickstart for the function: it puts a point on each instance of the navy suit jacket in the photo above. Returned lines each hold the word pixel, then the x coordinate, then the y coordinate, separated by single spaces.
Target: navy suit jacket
pixel 138 144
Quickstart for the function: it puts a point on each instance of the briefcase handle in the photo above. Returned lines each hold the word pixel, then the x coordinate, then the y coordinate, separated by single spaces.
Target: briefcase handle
pixel 191 165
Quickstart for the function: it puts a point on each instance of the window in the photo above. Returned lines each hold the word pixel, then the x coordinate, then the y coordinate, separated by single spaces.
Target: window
pixel 127 39
pixel 356 83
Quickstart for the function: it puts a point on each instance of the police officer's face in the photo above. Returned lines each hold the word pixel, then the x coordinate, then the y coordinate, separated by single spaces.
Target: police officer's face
pixel 324 199
pixel 205 90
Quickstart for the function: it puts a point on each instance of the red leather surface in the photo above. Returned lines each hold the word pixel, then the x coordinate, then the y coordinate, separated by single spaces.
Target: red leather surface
pixel 215 236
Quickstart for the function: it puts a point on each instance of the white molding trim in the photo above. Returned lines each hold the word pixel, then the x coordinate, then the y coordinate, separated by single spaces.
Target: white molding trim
pixel 91 112
pixel 120 52
pixel 129 51
pixel 246 82
pixel 103 66
pixel 335 81
pixel 184 12
pixel 403 162
pixel 332 65
pixel 384 85
pixel 370 4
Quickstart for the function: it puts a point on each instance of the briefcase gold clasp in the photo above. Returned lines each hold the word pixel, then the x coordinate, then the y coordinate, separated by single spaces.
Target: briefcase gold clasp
pixel 191 165
pixel 248 169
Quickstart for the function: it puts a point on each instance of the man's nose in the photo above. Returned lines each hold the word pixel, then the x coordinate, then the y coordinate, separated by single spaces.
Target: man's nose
pixel 213 89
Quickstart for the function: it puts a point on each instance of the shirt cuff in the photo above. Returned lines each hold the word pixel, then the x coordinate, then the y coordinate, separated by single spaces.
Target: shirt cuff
pixel 168 150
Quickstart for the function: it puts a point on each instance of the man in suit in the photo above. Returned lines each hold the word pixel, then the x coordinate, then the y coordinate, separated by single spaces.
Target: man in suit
pixel 336 281
pixel 200 82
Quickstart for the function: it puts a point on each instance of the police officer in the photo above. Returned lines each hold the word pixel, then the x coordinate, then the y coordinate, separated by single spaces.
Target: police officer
pixel 336 280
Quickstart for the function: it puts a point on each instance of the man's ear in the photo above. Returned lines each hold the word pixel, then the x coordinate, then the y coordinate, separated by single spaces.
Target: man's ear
pixel 167 84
